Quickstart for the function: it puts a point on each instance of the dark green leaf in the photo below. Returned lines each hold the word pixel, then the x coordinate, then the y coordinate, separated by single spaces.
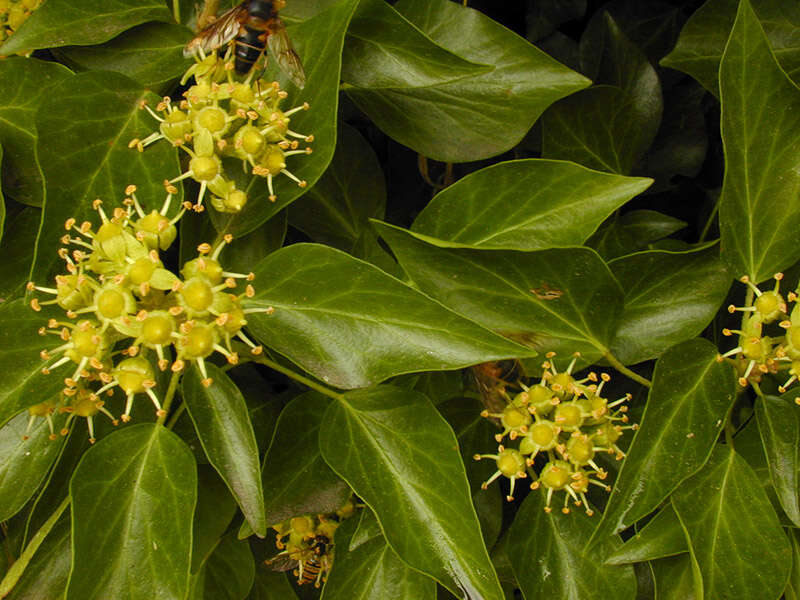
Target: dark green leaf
pixel 793 588
pixel 759 214
pixel 298 480
pixel 562 300
pixel 337 210
pixel 547 554
pixel 400 456
pixel 245 252
pixel 635 230
pixel 663 536
pixel 373 570
pixel 212 516
pixel 383 51
pixel 46 575
pixel 779 425
pixel 24 84
pixel 19 237
pixel 228 573
pixel 151 54
pixel 669 298
pixel 223 425
pixel 738 557
pixel 63 23
pixel 2 200
pixel 84 126
pixel 26 456
pixel 674 578
pixel 351 325
pixel 23 382
pixel 702 41
pixel 474 117
pixel 526 205
pixel 140 483
pixel 686 409
pixel 271 585
pixel 319 43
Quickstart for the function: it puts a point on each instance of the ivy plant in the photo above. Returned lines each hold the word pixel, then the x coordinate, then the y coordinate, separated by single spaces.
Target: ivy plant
pixel 420 300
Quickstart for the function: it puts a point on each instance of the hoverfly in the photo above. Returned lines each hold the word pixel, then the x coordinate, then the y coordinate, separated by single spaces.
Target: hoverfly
pixel 312 562
pixel 252 26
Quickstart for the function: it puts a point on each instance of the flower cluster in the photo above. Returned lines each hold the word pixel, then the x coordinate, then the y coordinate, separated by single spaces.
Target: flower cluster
pixel 566 422
pixel 222 118
pixel 307 541
pixel 13 13
pixel 126 314
pixel 758 353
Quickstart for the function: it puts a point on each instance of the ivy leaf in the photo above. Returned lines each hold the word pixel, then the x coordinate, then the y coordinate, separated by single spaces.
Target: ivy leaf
pixel 24 384
pixel 475 117
pixel 319 43
pixel 25 459
pixel 18 238
pixel 337 210
pixel 298 479
pixel 384 51
pixel 686 409
pixel 326 308
pixel 758 212
pixel 779 426
pixel 702 40
pixel 547 554
pixel 140 483
pixel 84 127
pixel 372 569
pixel 526 205
pixel 64 23
pixel 737 558
pixel 674 578
pixel 792 591
pixel 223 425
pixel 212 516
pixel 662 536
pixel 24 84
pixel 228 574
pixel 271 585
pixel 562 300
pixel 47 573
pixel 400 456
pixel 670 297
pixel 151 54
pixel 635 230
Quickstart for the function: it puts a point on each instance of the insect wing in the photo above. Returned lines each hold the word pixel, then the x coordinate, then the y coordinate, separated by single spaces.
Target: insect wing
pixel 281 562
pixel 219 33
pixel 281 48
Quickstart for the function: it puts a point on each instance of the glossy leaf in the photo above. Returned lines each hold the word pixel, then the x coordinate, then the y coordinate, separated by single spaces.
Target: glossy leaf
pixel 610 126
pixel 151 54
pixel 24 463
pixel 63 22
pixel 632 231
pixel 228 574
pixel 526 205
pixel 662 536
pixel 24 84
pixel 792 591
pixel 474 117
pixel 298 480
pixel 372 570
pixel 2 200
pixel 318 41
pixel 212 516
pixel 223 425
pixel 384 51
pixel 738 558
pixel 674 578
pixel 669 298
pixel 686 409
pixel 336 211
pixel 758 212
pixel 547 554
pixel 327 318
pixel 140 483
pixel 23 383
pixel 400 456
pixel 18 238
pixel 779 425
pixel 47 573
pixel 85 125
pixel 702 41
pixel 561 300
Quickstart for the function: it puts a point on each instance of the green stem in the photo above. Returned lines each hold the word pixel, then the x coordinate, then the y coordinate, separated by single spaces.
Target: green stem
pixel 18 568
pixel 299 378
pixel 614 361
pixel 729 433
pixel 176 10
pixel 173 386
pixel 176 415
pixel 710 220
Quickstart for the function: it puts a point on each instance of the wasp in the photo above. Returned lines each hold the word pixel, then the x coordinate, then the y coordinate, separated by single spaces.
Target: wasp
pixel 312 561
pixel 252 26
